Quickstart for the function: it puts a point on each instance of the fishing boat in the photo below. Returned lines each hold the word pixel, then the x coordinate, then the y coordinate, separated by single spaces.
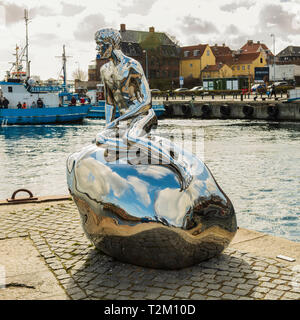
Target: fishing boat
pixel 26 102
pixel 97 110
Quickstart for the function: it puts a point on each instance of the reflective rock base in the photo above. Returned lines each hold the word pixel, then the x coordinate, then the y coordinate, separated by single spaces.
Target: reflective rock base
pixel 137 213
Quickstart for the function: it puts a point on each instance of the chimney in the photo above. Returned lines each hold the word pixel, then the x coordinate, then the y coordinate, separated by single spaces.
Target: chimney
pixel 216 44
pixel 223 44
pixel 151 29
pixel 258 42
pixel 123 27
pixel 250 42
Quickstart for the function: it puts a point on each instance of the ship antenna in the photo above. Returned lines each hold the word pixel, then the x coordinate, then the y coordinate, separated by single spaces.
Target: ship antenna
pixel 27 44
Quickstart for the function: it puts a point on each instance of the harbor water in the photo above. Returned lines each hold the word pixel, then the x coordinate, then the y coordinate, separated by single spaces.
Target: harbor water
pixel 256 163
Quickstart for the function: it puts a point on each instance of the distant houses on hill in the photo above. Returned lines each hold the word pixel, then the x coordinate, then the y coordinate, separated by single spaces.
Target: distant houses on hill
pixel 164 61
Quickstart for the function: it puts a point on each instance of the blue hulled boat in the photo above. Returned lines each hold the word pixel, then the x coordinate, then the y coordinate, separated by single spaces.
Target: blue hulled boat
pixel 97 110
pixel 37 105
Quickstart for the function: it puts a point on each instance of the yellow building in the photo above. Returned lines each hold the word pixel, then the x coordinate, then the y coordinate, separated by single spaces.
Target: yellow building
pixel 243 64
pixel 194 59
pixel 219 70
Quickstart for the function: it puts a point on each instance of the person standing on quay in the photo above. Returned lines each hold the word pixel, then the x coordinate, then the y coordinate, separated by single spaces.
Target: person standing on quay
pixel 5 103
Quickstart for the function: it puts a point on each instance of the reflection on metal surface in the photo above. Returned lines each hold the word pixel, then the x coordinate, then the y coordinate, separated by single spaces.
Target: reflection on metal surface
pixel 143 199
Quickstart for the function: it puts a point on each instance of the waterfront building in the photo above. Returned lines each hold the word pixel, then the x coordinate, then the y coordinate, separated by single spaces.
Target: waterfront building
pixel 285 72
pixel 193 60
pixel 158 54
pixel 289 55
pixel 252 47
pixel 219 70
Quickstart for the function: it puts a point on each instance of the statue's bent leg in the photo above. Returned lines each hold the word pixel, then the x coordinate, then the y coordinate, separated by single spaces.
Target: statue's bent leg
pixel 136 135
pixel 115 146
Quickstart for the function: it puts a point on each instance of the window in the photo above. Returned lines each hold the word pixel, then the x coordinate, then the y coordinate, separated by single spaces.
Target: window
pixel 243 67
pixel 191 65
pixel 248 66
pixel 196 53
pixel 261 60
pixel 233 68
pixel 207 52
pixel 238 68
pixel 186 53
pixel 10 89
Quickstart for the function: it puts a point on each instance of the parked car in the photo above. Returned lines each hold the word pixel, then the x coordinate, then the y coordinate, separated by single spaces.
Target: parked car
pixel 198 88
pixel 155 90
pixel 278 84
pixel 181 89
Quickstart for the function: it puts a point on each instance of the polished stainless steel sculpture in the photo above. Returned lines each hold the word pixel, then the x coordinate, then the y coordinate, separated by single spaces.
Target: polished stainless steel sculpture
pixel 142 199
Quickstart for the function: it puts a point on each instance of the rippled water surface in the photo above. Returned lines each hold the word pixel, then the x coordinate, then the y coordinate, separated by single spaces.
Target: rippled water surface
pixel 256 163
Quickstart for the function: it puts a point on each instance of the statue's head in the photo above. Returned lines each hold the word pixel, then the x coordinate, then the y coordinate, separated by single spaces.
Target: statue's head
pixel 107 40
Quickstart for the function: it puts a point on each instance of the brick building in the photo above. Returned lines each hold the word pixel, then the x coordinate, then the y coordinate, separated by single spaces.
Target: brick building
pixel 156 48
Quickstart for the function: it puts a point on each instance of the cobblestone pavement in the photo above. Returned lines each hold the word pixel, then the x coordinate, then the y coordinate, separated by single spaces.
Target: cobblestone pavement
pixel 85 273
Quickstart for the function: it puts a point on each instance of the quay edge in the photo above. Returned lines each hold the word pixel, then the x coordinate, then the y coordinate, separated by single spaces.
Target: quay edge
pixel 256 110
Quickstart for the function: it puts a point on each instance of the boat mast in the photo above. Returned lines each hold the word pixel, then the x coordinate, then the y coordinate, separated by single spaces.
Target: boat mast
pixel 64 58
pixel 64 67
pixel 27 61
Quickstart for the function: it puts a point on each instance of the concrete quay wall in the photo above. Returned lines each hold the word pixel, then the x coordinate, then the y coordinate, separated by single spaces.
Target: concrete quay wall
pixel 262 110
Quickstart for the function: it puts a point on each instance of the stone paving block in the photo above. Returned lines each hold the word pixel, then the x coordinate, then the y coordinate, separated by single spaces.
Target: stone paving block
pixel 291 295
pixel 200 290
pixel 182 294
pixel 270 296
pixel 241 292
pixel 197 297
pixel 268 285
pixel 245 286
pixel 228 296
pixel 262 289
pixel 227 289
pixel 214 293
pixel 257 295
pixel 164 298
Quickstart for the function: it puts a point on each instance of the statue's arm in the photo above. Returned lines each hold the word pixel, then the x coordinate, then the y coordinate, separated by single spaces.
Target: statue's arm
pixel 110 108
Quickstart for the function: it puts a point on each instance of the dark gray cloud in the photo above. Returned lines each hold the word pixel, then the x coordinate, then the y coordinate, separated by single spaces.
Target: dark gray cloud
pixel 15 13
pixel 43 11
pixel 87 28
pixel 69 10
pixel 275 19
pixel 194 25
pixel 232 30
pixel 233 6
pixel 141 7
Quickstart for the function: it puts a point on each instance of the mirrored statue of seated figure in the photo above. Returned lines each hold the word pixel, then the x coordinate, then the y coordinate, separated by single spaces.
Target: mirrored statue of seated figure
pixel 143 199
pixel 127 89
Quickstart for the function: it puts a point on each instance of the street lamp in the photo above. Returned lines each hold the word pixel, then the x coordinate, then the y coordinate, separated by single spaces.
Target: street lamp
pixel 147 74
pixel 273 36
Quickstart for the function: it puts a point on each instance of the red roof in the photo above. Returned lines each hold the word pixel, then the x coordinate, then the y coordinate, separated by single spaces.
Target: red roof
pixel 200 47
pixel 220 50
pixel 231 59
pixel 250 47
pixel 214 67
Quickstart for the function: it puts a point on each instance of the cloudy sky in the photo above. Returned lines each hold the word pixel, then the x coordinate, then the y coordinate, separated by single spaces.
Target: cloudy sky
pixel 73 23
